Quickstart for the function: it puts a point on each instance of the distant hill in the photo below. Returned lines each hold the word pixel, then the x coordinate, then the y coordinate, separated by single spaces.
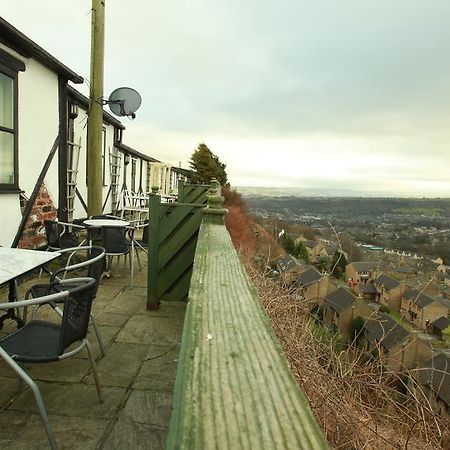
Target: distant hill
pixel 350 206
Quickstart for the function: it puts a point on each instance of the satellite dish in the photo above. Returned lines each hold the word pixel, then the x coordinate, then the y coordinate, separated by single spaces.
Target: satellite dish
pixel 124 101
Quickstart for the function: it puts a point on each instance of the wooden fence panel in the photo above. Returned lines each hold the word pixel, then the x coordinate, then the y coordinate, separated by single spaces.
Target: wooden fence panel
pixel 193 193
pixel 173 231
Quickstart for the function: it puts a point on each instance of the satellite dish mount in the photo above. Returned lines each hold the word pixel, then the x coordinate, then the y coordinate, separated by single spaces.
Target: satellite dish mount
pixel 124 101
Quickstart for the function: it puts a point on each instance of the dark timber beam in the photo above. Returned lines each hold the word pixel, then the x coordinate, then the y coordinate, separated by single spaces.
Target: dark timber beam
pixel 62 152
pixel 34 194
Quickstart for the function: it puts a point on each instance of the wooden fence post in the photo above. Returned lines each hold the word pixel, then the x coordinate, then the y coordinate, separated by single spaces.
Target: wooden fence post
pixel 214 211
pixel 153 251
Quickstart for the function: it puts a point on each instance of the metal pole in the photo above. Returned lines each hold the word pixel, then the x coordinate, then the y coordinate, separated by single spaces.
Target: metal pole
pixel 95 118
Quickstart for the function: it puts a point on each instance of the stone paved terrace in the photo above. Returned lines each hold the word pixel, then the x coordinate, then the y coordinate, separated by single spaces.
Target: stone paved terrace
pixel 137 374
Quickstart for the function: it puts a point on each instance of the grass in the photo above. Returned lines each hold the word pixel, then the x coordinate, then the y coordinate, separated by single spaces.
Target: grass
pixel 401 321
pixel 446 336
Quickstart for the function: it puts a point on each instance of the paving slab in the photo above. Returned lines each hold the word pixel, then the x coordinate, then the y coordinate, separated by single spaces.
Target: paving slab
pixel 108 291
pixel 8 389
pixel 74 400
pixel 24 431
pixel 108 335
pixel 68 370
pixel 128 434
pixel 112 319
pixel 149 407
pixel 158 374
pixel 166 309
pixel 126 303
pixel 120 365
pixel 144 329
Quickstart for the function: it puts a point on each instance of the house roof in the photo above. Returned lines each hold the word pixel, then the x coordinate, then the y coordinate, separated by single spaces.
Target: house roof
pixel 385 330
pixel 185 172
pixel 331 249
pixel 418 298
pixel 388 282
pixel 16 40
pixel 309 243
pixel 309 277
pixel 364 266
pixel 441 323
pixel 288 263
pixel 340 300
pixel 83 101
pixel 406 269
pixel 133 152
pixel 367 288
pixel 435 374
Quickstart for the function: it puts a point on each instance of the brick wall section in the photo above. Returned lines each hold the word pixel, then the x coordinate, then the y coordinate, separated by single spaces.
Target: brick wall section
pixel 43 209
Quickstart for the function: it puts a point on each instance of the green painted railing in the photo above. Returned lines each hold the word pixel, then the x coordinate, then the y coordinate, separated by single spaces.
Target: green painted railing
pixel 193 193
pixel 234 389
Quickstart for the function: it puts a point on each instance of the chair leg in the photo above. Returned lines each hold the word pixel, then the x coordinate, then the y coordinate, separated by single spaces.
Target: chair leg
pixel 37 395
pixel 94 371
pixel 99 337
pixel 131 256
pixel 139 260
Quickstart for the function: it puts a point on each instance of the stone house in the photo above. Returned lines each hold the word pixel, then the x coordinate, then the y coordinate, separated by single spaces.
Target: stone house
pixel 362 271
pixel 397 349
pixel 314 286
pixel 421 309
pixel 431 383
pixel 289 269
pixel 389 292
pixel 367 291
pixel 312 248
pixel 438 326
pixel 340 307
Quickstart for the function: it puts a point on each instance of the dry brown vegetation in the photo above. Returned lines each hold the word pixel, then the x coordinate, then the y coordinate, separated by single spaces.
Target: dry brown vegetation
pixel 354 398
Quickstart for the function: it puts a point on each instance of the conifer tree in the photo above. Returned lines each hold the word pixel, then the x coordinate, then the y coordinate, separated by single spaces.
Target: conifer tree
pixel 206 165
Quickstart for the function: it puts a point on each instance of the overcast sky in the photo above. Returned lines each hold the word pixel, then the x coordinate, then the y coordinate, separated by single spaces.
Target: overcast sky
pixel 334 94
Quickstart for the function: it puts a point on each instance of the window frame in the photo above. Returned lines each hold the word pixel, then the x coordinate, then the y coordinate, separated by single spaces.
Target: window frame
pixel 14 74
pixel 133 174
pixel 104 136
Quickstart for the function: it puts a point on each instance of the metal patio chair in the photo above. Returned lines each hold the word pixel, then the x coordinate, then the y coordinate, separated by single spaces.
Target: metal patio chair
pixel 92 267
pixel 95 233
pixel 61 235
pixel 41 341
pixel 115 242
pixel 142 243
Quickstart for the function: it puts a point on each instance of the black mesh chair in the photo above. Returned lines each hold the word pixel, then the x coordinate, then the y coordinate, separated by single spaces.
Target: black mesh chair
pixel 115 242
pixel 61 235
pixel 143 242
pixel 92 267
pixel 41 342
pixel 95 233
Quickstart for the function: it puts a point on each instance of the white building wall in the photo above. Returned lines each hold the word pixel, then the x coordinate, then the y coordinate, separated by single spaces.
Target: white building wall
pixel 37 130
pixel 80 137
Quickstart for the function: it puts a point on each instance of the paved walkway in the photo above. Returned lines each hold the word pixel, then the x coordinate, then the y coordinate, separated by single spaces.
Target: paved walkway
pixel 137 374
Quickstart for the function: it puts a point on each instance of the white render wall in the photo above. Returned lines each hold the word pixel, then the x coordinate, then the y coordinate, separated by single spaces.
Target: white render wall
pixel 37 130
pixel 80 132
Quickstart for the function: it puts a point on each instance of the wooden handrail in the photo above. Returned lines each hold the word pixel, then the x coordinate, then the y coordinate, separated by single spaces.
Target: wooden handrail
pixel 234 389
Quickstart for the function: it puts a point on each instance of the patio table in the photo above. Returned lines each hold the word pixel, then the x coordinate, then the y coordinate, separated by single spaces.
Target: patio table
pixel 15 262
pixel 106 223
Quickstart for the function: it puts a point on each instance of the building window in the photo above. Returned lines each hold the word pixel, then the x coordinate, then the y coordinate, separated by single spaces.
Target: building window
pixel 149 174
pixel 133 175
pixel 104 156
pixel 8 129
